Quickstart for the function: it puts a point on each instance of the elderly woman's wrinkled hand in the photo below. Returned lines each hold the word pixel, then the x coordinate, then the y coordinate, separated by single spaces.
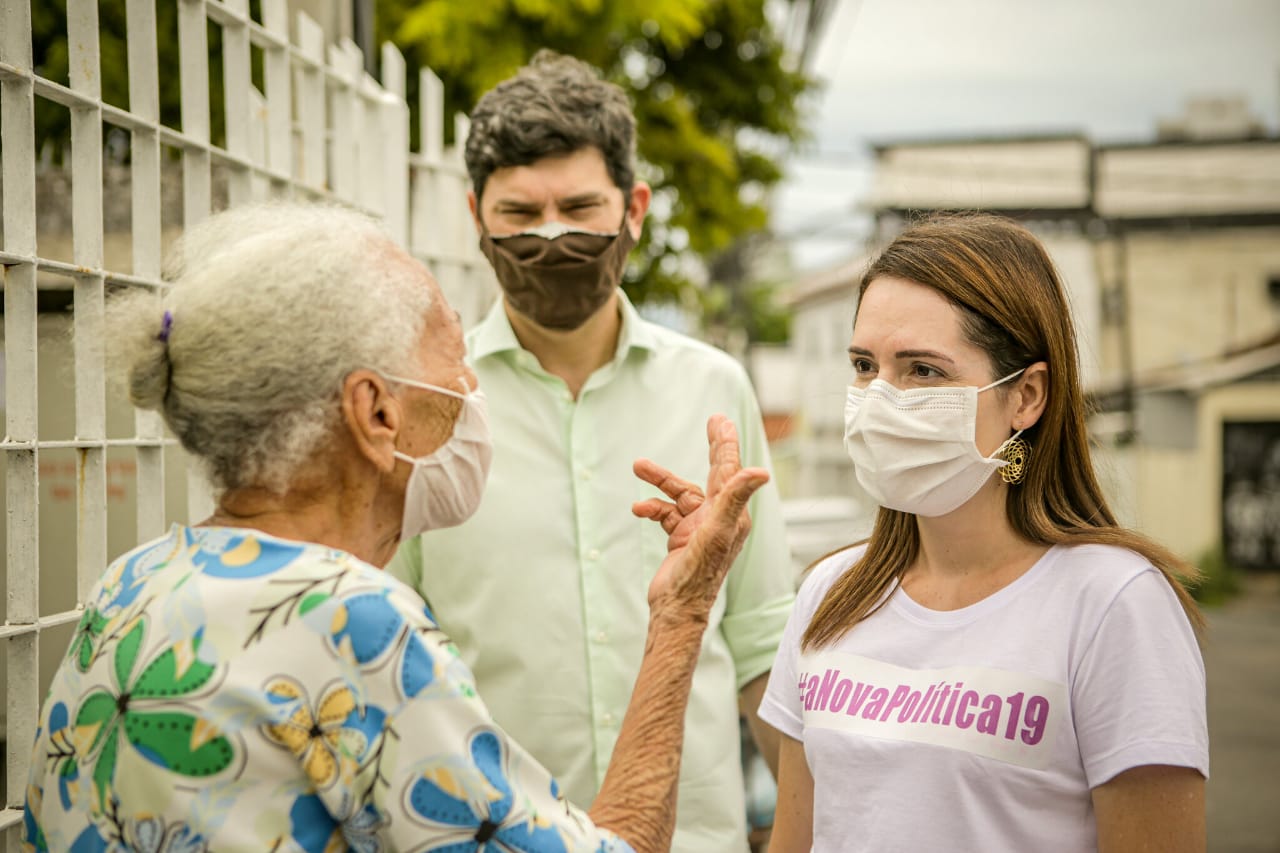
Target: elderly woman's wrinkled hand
pixel 705 530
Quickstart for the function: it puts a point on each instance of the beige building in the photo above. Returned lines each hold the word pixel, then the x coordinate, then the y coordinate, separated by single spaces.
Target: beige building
pixel 1170 251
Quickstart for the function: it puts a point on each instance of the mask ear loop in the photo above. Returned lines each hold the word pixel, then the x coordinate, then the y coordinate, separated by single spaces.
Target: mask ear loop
pixel 404 457
pixel 429 387
pixel 1013 375
pixel 1013 451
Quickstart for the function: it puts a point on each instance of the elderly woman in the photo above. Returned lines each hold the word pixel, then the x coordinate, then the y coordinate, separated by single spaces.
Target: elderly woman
pixel 255 682
pixel 1001 666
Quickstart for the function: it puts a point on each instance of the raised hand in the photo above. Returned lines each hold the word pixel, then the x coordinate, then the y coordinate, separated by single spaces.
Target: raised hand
pixel 705 530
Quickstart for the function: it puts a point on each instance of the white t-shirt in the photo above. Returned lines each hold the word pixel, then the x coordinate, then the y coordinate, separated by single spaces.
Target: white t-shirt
pixel 985 728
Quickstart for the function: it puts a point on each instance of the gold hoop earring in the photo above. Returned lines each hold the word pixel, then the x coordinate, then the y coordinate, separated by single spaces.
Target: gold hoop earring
pixel 1015 454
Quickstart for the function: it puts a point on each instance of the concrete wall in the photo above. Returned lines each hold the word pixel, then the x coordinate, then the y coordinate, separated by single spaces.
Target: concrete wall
pixel 1178 493
pixel 1073 254
pixel 1195 295
pixel 1015 174
pixel 1168 180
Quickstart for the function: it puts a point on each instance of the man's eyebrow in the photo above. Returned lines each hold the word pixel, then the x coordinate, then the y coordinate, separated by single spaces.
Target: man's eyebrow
pixel 580 198
pixel 516 204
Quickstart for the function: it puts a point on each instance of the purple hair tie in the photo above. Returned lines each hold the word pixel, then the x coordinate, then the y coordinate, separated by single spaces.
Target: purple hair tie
pixel 165 327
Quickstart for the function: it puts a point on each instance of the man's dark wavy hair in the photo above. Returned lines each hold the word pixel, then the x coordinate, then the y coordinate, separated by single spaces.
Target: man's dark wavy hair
pixel 554 105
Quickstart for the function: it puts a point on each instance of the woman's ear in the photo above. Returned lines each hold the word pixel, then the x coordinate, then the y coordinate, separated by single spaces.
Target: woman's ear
pixel 372 416
pixel 1031 395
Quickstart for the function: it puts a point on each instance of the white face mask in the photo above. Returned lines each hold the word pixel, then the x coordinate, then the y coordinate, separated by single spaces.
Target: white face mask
pixel 445 487
pixel 914 451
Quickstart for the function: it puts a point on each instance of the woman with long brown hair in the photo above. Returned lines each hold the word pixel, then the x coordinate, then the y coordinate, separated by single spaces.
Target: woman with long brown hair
pixel 1001 666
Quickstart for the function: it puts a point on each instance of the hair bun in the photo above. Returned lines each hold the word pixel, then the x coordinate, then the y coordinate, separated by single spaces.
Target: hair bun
pixel 139 357
pixel 149 374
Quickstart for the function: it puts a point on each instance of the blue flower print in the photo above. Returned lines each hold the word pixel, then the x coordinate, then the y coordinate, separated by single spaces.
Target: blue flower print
pixel 124 581
pixel 89 841
pixel 361 830
pixel 242 556
pixel 369 624
pixel 614 845
pixel 312 827
pixel 32 835
pixel 61 747
pixel 479 815
pixel 417 668
pixel 153 834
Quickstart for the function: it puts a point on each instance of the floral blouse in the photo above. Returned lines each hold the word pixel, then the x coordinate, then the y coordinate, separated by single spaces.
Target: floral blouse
pixel 228 690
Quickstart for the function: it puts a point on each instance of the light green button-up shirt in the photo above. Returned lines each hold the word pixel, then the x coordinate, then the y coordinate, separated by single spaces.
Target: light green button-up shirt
pixel 544 589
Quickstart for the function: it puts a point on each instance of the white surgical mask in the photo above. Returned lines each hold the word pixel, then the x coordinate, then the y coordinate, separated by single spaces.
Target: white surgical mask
pixel 915 451
pixel 445 487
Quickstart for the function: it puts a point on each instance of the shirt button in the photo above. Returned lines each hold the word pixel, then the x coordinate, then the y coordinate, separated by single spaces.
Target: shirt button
pixel 593 555
pixel 607 719
pixel 586 474
pixel 602 637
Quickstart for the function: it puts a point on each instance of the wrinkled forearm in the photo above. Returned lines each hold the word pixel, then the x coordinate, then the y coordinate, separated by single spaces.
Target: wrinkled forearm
pixel 638 798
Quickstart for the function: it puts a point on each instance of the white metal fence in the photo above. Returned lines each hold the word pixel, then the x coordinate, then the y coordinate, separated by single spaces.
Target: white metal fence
pixel 318 126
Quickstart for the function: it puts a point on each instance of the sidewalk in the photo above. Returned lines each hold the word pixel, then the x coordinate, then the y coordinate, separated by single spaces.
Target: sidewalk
pixel 1242 660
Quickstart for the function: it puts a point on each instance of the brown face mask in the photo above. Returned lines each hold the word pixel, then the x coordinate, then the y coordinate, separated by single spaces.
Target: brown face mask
pixel 558 282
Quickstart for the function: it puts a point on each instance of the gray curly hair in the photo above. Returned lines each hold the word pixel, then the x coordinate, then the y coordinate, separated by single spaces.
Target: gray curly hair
pixel 270 307
pixel 554 105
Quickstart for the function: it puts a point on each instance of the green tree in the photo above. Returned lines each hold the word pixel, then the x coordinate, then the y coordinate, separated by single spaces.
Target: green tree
pixel 712 87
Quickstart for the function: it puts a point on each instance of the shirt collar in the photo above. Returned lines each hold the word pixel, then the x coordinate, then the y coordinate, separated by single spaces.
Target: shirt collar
pixel 494 334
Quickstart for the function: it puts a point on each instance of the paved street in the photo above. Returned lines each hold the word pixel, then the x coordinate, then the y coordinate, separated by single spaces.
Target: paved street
pixel 1242 658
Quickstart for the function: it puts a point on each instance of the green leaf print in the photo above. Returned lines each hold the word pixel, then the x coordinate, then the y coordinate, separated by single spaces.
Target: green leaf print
pixel 98 710
pixel 160 679
pixel 88 630
pixel 169 737
pixel 127 653
pixel 311 601
pixel 105 768
pixel 165 738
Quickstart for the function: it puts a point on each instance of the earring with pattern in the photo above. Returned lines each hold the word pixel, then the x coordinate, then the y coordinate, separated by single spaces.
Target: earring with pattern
pixel 1015 455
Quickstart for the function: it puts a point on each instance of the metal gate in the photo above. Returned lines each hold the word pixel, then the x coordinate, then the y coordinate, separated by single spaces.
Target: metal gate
pixel 315 126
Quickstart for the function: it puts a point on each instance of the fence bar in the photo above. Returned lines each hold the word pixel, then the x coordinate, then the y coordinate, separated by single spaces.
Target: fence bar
pixel 236 85
pixel 311 168
pixel 343 162
pixel 394 116
pixel 88 331
pixel 22 657
pixel 193 40
pixel 197 190
pixel 276 77
pixel 425 236
pixel 144 101
pixel 22 578
pixel 431 115
pixel 17 150
pixel 371 145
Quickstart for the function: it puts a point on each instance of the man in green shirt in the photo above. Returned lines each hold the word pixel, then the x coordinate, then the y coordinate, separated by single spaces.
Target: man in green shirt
pixel 544 588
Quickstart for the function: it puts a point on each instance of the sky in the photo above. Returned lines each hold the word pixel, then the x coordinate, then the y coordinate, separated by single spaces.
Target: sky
pixel 921 69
